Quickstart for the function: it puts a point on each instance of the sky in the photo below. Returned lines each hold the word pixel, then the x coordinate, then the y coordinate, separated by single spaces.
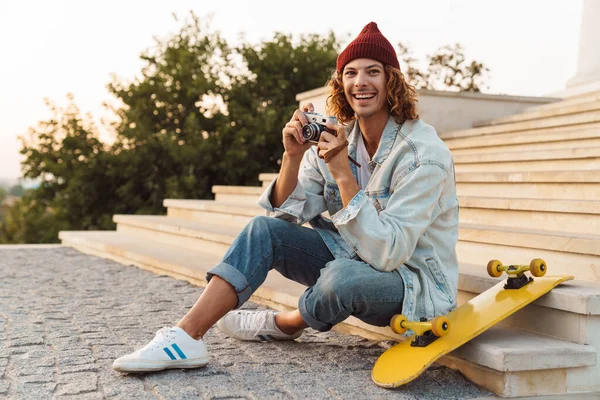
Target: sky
pixel 49 48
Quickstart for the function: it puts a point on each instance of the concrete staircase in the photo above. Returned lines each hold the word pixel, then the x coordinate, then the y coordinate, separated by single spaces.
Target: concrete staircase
pixel 528 187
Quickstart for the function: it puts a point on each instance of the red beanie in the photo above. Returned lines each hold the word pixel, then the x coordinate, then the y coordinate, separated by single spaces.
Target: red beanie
pixel 370 43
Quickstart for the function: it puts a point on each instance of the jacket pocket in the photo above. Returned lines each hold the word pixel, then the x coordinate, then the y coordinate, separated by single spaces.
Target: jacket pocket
pixel 439 278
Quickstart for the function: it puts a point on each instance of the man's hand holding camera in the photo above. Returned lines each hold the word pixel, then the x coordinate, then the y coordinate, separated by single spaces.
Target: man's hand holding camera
pixel 307 128
pixel 294 144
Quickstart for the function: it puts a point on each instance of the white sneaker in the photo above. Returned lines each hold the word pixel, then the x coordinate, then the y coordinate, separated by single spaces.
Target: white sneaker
pixel 258 326
pixel 170 348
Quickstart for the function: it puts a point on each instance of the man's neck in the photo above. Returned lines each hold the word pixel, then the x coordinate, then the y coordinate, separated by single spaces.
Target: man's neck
pixel 372 130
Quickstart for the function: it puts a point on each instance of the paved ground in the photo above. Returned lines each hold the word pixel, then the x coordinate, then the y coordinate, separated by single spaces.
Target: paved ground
pixel 64 316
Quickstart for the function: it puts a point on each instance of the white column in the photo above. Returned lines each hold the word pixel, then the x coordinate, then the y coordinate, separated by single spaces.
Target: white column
pixel 588 62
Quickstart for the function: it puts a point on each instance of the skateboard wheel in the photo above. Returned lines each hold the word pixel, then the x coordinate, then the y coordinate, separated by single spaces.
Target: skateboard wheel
pixel 396 324
pixel 538 267
pixel 492 268
pixel 440 326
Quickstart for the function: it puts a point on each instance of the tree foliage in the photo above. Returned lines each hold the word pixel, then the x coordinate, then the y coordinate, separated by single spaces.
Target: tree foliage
pixel 261 101
pixel 16 190
pixel 75 173
pixel 447 69
pixel 167 132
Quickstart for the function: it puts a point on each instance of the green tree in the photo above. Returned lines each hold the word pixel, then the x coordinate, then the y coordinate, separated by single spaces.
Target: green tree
pixel 66 156
pixel 261 101
pixel 448 69
pixel 3 195
pixel 16 190
pixel 28 221
pixel 167 128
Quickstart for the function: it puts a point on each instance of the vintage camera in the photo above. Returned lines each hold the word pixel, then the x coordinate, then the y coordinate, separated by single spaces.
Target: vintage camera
pixel 316 125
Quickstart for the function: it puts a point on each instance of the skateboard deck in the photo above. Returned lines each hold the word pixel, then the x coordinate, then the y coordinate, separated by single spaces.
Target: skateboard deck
pixel 402 363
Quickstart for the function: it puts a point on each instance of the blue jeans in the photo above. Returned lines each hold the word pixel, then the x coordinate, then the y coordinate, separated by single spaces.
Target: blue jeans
pixel 337 288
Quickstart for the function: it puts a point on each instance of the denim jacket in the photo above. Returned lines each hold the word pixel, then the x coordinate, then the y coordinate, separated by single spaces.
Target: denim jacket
pixel 406 218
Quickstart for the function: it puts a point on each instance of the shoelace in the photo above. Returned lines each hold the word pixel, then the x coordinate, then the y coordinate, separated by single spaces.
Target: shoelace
pixel 160 340
pixel 256 320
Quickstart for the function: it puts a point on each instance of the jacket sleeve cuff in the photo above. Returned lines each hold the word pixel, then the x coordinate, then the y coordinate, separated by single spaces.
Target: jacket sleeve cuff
pixel 348 213
pixel 291 209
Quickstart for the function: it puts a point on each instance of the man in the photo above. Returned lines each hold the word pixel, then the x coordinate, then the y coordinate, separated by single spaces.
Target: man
pixel 390 244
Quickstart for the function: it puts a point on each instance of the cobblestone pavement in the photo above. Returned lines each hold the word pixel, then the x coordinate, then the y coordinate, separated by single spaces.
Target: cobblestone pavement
pixel 64 317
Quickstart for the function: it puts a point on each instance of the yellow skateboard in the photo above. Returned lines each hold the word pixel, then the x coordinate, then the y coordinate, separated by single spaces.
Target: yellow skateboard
pixel 438 337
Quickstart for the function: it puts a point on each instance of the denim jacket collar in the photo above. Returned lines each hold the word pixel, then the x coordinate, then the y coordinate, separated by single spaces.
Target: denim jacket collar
pixel 388 137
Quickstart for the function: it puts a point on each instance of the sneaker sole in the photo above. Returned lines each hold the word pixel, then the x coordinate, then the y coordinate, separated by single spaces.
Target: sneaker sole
pixel 149 366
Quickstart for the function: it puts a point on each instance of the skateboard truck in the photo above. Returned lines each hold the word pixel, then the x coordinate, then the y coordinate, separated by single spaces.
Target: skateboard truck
pixel 516 273
pixel 426 331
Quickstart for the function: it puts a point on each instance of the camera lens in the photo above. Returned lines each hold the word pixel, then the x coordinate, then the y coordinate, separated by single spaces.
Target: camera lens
pixel 312 131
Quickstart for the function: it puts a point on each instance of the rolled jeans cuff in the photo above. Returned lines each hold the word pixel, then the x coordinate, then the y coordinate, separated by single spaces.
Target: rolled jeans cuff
pixel 308 318
pixel 235 278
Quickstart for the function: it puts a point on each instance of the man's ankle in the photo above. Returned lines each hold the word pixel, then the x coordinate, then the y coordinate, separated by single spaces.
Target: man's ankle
pixel 288 330
pixel 191 332
pixel 281 322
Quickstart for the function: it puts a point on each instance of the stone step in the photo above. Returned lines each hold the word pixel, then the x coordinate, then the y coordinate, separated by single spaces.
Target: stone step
pixel 573 254
pixel 525 176
pixel 542 113
pixel 576 164
pixel 557 154
pixel 545 160
pixel 514 363
pixel 213 212
pixel 478 246
pixel 497 350
pixel 532 177
pixel 210 238
pixel 550 122
pixel 570 312
pixel 266 178
pixel 589 98
pixel 568 243
pixel 201 232
pixel 147 254
pixel 247 195
pixel 577 296
pixel 514 138
pixel 560 185
pixel 571 216
pixel 524 147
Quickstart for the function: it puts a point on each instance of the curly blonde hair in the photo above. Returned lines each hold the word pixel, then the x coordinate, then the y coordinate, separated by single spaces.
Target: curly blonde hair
pixel 401 97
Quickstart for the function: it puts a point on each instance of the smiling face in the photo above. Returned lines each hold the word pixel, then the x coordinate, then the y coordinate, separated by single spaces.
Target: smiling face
pixel 364 84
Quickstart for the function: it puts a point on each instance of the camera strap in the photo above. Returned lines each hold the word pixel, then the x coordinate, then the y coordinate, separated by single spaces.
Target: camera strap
pixel 334 152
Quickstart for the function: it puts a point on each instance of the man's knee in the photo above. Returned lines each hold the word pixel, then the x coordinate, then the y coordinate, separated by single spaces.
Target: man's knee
pixel 262 223
pixel 259 222
pixel 338 282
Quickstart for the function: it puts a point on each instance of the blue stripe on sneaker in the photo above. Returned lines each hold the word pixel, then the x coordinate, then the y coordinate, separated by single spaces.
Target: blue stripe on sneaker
pixel 261 337
pixel 169 353
pixel 270 337
pixel 178 350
